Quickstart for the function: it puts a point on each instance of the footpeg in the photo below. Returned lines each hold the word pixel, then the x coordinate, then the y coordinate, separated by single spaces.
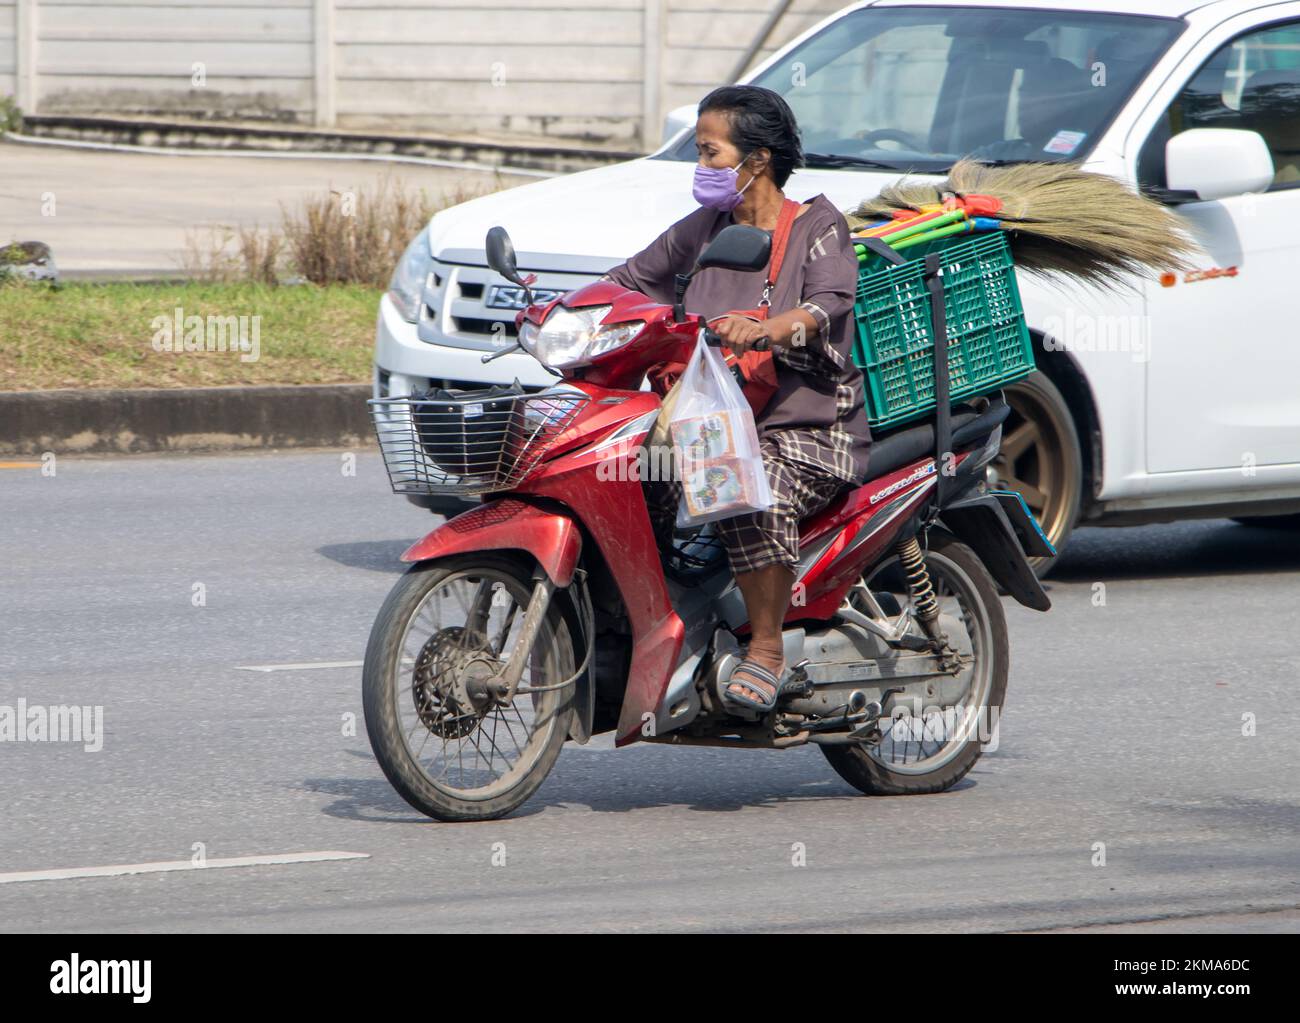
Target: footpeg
pixel 797 683
pixel 869 730
pixel 794 682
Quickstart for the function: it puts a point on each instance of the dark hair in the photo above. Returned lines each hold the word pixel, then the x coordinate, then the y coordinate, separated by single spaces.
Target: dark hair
pixel 760 119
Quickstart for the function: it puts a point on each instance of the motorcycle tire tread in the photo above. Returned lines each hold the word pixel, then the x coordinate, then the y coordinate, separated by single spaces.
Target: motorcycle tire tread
pixel 872 777
pixel 381 719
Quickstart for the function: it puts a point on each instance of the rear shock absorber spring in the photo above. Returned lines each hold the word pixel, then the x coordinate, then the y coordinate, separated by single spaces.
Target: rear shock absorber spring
pixel 919 586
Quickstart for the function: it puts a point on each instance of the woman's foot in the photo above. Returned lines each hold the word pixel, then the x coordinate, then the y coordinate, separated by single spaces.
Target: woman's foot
pixel 755 684
pixel 757 680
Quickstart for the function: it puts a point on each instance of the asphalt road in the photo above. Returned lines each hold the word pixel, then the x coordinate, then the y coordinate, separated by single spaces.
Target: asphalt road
pixel 105 212
pixel 1123 727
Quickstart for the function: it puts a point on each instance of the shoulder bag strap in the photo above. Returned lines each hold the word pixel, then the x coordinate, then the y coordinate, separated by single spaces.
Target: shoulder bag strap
pixel 789 209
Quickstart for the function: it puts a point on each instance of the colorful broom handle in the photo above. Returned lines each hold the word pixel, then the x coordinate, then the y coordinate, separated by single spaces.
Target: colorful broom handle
pixel 865 254
pixel 923 228
pixel 935 235
pixel 951 217
pixel 975 224
pixel 890 226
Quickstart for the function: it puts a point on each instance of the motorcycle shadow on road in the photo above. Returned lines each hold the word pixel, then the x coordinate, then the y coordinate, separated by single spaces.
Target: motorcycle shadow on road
pixel 703 779
pixel 1187 549
pixel 603 780
pixel 372 555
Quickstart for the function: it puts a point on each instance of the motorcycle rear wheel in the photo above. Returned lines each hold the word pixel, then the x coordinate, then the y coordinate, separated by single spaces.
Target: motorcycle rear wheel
pixel 963 585
pixel 426 652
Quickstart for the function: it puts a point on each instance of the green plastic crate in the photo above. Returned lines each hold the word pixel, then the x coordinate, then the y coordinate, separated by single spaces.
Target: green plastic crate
pixel 988 343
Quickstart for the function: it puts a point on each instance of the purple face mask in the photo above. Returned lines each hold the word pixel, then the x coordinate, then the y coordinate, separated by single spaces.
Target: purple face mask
pixel 715 187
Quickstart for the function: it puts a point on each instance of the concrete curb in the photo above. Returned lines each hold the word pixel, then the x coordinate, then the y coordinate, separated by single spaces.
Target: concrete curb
pixel 184 419
pixel 218 136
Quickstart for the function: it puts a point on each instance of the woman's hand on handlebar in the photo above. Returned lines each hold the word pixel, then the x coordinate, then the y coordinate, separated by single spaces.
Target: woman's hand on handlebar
pixel 741 334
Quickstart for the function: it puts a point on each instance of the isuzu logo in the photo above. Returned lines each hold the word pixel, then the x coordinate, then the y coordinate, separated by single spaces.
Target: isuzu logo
pixel 511 296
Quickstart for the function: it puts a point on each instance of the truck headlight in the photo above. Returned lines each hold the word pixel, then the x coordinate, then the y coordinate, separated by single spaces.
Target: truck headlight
pixel 408 278
pixel 573 337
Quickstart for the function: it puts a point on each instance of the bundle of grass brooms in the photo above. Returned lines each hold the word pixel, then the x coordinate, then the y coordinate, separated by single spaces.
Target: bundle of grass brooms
pixel 1057 218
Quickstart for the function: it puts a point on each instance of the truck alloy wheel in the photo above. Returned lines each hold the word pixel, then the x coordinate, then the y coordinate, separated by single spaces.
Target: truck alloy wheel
pixel 1040 459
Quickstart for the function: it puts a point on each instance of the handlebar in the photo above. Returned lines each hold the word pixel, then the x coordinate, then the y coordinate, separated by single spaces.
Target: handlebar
pixel 711 339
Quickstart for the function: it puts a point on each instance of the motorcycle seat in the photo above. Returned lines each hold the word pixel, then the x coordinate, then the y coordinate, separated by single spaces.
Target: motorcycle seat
pixel 893 449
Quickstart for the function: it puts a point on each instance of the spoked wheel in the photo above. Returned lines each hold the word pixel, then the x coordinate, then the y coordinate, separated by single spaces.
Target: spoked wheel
pixel 451 746
pixel 931 747
pixel 1041 460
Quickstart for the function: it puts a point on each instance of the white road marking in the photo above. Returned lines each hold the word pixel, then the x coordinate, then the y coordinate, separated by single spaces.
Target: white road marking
pixel 305 666
pixel 163 867
pixel 603 743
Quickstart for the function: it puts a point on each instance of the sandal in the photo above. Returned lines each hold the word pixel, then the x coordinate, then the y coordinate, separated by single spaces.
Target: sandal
pixel 760 675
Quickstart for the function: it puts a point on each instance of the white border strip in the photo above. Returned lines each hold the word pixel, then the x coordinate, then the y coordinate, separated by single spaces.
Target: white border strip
pixel 123 869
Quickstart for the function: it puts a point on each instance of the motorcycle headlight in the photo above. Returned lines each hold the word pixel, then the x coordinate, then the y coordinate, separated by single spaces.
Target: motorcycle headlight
pixel 573 337
pixel 409 277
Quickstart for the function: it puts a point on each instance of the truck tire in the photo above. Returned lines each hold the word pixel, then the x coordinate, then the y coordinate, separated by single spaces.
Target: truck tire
pixel 1041 459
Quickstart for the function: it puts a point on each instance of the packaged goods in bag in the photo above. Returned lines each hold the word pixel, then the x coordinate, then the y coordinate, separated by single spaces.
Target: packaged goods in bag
pixel 708 436
pixel 715 444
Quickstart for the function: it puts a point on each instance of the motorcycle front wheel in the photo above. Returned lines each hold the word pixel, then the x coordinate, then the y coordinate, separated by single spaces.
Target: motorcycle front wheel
pixel 448 746
pixel 932 750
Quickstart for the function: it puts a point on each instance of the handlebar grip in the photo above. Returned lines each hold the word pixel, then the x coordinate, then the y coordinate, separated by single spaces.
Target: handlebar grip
pixel 710 338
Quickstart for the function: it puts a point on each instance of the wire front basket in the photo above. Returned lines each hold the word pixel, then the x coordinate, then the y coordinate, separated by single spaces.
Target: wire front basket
pixel 470 442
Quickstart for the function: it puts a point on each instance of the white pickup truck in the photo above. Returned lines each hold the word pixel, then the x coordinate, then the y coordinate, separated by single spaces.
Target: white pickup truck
pixel 1175 398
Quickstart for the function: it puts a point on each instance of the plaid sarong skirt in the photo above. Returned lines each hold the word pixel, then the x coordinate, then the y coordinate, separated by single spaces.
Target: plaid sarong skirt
pixel 805 474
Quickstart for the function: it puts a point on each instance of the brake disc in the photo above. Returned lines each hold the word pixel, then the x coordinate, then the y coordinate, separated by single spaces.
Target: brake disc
pixel 448 684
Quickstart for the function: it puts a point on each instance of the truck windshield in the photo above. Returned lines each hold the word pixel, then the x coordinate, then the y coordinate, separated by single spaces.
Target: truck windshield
pixel 916 88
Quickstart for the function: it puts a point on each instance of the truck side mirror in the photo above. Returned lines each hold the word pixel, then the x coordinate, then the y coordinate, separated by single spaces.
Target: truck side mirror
pixel 1215 163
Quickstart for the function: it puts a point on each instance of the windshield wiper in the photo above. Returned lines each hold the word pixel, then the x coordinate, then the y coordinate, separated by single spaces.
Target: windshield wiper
pixel 836 160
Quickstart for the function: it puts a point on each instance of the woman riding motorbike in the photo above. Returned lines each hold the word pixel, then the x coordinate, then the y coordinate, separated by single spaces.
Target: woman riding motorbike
pixel 813 431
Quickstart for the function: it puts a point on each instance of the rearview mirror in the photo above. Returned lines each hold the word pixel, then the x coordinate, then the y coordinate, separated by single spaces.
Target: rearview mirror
pixel 501 254
pixel 1215 163
pixel 738 247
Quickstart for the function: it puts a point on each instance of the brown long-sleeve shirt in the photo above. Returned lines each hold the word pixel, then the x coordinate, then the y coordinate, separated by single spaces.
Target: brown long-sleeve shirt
pixel 816 416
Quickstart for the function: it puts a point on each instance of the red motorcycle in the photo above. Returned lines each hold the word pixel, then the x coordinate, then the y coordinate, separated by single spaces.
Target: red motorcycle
pixel 548 612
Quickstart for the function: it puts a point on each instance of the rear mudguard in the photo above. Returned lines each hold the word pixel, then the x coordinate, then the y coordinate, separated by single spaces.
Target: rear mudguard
pixel 1001 530
pixel 1030 534
pixel 551 538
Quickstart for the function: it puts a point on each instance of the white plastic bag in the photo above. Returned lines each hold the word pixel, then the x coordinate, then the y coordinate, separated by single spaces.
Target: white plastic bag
pixel 715 444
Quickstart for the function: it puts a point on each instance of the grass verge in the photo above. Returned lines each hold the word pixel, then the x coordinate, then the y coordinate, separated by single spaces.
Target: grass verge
pixel 110 335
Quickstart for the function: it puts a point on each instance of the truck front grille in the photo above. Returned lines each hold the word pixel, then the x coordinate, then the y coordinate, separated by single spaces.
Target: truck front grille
pixel 455 309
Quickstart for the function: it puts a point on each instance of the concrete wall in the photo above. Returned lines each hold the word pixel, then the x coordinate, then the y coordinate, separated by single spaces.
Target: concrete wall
pixel 230 58
pixel 8 15
pixel 601 70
